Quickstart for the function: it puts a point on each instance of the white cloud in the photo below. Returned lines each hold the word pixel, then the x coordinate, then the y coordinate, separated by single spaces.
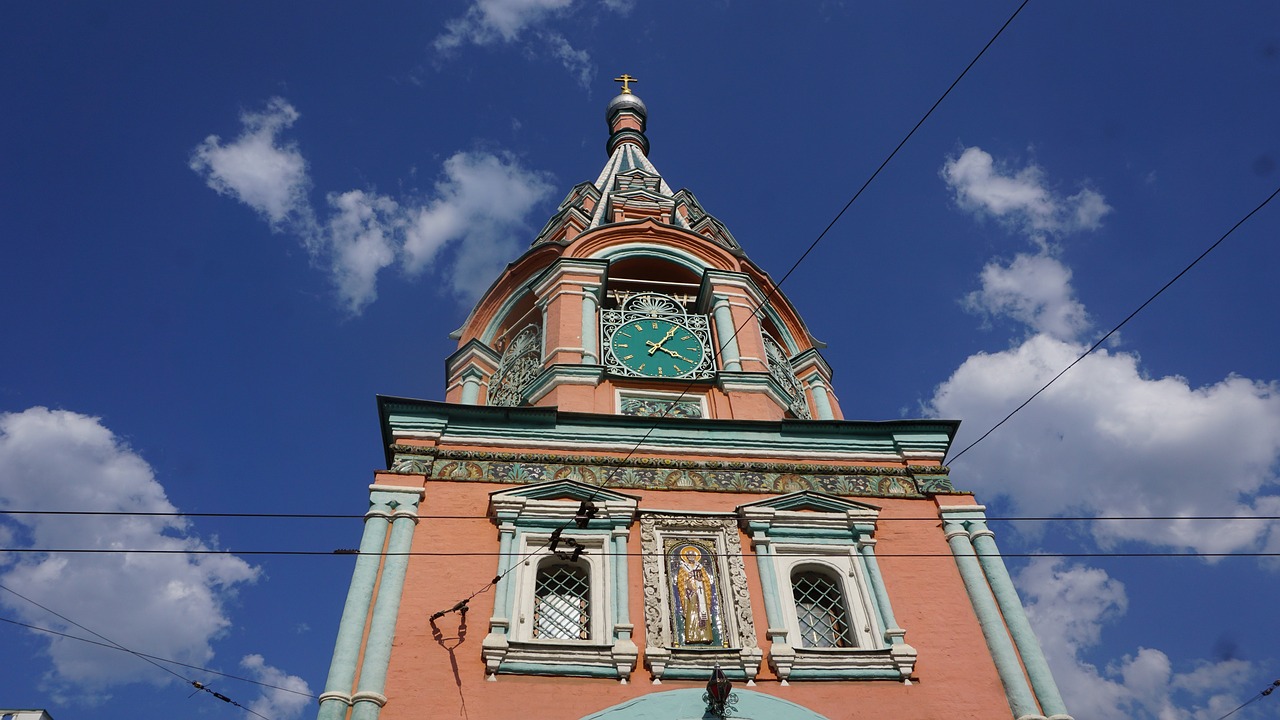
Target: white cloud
pixel 257 169
pixel 1107 440
pixel 1034 290
pixel 577 62
pixel 277 702
pixel 1019 198
pixel 1068 605
pixel 479 208
pixel 481 203
pixel 172 606
pixel 488 22
pixel 361 240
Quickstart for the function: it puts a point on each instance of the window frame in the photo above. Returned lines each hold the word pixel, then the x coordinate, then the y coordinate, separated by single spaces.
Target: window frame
pixel 526 517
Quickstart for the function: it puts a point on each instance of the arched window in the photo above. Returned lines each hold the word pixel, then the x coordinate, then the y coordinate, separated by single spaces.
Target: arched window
pixel 562 602
pixel 820 610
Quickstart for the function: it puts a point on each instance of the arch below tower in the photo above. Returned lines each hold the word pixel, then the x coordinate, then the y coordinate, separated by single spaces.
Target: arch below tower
pixel 687 704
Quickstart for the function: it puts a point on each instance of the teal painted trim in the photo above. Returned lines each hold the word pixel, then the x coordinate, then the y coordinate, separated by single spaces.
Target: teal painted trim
pixel 1016 689
pixel 688 703
pixel 585 430
pixel 346 650
pixel 702 674
pixel 535 523
pixel 879 593
pixel 621 600
pixel 1015 617
pixel 558 489
pixel 847 674
pixel 569 669
pixel 382 628
pixel 769 583
pixel 503 597
pixel 811 500
pixel 832 535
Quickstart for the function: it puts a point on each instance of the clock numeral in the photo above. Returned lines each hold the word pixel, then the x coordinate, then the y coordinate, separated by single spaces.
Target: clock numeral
pixel 679 369
pixel 686 337
pixel 628 357
pixel 639 328
pixel 624 334
pixel 621 345
pixel 655 326
pixel 660 373
pixel 641 368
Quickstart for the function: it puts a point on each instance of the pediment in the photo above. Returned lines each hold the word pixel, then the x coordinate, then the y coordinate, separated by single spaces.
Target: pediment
pixel 564 490
pixel 810 501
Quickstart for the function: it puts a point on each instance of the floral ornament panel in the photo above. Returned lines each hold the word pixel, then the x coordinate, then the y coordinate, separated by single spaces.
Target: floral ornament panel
pixel 521 362
pixel 781 371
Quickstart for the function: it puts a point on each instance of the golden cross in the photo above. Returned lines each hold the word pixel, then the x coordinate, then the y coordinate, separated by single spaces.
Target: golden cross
pixel 625 80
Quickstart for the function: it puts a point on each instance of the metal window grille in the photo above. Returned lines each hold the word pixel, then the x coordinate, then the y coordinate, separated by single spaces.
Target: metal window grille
pixel 561 603
pixel 820 610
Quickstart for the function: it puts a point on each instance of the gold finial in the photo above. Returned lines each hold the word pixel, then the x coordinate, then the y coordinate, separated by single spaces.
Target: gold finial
pixel 625 80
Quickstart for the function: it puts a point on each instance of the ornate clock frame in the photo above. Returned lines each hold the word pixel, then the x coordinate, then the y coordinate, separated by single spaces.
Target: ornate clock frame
pixel 651 306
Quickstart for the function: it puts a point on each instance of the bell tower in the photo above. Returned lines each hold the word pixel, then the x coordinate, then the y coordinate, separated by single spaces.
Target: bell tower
pixel 640 499
pixel 634 300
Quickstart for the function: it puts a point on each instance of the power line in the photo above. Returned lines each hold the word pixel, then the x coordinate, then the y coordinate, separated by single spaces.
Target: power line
pixel 194 683
pixel 1261 694
pixel 1115 329
pixel 990 518
pixel 494 553
pixel 156 657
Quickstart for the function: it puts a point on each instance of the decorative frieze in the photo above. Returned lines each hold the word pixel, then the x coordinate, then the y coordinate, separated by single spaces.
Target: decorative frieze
pixel 671 473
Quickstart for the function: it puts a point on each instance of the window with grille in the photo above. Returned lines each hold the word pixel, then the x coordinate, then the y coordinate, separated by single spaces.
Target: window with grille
pixel 561 602
pixel 820 611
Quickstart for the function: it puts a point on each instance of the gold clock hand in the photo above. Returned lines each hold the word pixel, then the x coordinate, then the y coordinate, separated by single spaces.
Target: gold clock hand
pixel 653 346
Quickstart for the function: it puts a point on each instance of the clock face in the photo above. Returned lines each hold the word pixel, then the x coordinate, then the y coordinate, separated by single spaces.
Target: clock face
pixel 656 347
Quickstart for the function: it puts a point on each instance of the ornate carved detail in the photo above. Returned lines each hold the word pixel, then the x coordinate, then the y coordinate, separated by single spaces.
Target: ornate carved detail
pixel 780 370
pixel 671 473
pixel 521 362
pixel 655 407
pixel 662 651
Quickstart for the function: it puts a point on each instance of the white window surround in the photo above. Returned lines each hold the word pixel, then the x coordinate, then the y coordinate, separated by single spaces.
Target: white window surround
pixel 842 565
pixel 526 575
pixel 526 517
pixel 834 536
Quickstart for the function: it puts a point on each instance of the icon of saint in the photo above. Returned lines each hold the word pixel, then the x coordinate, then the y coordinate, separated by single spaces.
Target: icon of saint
pixel 693 585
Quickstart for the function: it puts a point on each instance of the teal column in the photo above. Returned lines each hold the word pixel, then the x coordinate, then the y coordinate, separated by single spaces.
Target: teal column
pixel 1015 618
pixel 621 599
pixel 506 537
pixel 368 699
pixel 1016 690
pixel 471 387
pixel 821 401
pixel 336 697
pixel 768 582
pixel 590 353
pixel 726 334
pixel 866 548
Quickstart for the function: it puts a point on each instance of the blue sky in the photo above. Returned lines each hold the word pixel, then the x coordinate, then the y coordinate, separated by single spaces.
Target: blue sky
pixel 225 228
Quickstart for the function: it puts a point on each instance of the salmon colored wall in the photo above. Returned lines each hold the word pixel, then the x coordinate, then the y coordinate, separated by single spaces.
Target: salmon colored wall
pixel 429 677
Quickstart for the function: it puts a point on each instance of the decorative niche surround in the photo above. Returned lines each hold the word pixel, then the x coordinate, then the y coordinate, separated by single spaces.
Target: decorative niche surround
pixel 697 610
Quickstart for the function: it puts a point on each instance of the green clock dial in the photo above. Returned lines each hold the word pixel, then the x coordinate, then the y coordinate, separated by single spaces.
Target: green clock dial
pixel 656 347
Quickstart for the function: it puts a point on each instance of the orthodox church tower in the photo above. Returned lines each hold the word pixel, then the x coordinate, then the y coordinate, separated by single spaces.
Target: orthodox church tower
pixel 641 499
